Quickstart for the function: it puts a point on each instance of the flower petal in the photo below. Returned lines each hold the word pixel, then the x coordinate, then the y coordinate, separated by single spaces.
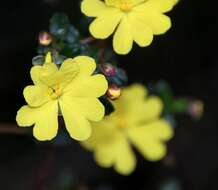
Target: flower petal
pixel 92 8
pixel 68 70
pixel 45 119
pixel 159 23
pixel 153 108
pixel 149 138
pixel 76 124
pixel 85 85
pixel 125 159
pixel 103 26
pixel 35 75
pixel 110 147
pixel 91 108
pixel 158 5
pixel 135 90
pixel 92 86
pixel 86 65
pixel 123 39
pixel 142 33
pixel 36 95
pixel 134 106
pixel 118 154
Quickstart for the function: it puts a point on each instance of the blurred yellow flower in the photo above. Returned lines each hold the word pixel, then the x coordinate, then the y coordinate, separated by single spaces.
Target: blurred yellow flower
pixel 131 20
pixel 136 121
pixel 72 89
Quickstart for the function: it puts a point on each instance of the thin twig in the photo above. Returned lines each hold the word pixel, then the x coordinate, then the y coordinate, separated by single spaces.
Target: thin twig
pixel 9 128
pixel 87 40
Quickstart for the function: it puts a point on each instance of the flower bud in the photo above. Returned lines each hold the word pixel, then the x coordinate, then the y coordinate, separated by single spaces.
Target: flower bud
pixel 196 109
pixel 45 38
pixel 108 70
pixel 113 92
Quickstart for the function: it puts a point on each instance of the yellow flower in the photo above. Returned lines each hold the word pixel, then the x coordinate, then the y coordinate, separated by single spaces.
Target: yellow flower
pixel 136 121
pixel 131 20
pixel 72 89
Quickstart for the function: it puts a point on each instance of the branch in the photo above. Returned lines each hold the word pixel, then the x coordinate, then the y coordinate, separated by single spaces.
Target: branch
pixel 9 128
pixel 87 40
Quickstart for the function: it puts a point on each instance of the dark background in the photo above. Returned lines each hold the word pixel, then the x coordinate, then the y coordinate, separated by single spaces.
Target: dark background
pixel 186 57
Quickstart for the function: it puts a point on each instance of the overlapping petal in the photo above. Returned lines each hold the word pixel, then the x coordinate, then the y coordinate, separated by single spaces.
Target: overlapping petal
pixel 86 85
pixel 36 95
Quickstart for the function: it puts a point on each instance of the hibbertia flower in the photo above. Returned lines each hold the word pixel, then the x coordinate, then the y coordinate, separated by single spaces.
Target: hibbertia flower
pixel 130 20
pixel 71 90
pixel 136 121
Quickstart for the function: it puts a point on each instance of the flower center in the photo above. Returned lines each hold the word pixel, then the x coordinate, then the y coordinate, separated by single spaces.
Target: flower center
pixel 125 6
pixel 55 92
pixel 122 124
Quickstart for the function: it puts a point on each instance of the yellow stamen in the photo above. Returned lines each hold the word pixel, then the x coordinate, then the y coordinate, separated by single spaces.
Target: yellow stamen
pixel 55 92
pixel 126 6
pixel 122 124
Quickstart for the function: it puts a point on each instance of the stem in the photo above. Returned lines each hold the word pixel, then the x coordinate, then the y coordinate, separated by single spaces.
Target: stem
pixel 87 40
pixel 9 128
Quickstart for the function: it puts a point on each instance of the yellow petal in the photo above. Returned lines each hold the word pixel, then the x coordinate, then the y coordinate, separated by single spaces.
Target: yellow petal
pixel 76 124
pixel 102 135
pixel 159 23
pixel 67 72
pixel 149 139
pixel 44 75
pixel 132 103
pixel 158 5
pixel 86 65
pixel 91 108
pixel 36 95
pixel 92 8
pixel 135 90
pixel 110 147
pixel 35 75
pixel 103 26
pixel 125 160
pixel 48 74
pixel 142 33
pixel 91 86
pixel 123 39
pixel 153 108
pixel 45 119
pixel 116 153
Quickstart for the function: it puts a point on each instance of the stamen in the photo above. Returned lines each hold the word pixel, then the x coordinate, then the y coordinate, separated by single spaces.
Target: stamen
pixel 126 6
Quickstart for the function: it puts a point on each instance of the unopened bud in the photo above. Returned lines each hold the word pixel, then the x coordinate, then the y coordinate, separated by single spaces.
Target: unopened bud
pixel 114 92
pixel 45 38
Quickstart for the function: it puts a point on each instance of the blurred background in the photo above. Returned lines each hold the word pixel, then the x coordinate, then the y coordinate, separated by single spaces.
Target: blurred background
pixel 186 57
